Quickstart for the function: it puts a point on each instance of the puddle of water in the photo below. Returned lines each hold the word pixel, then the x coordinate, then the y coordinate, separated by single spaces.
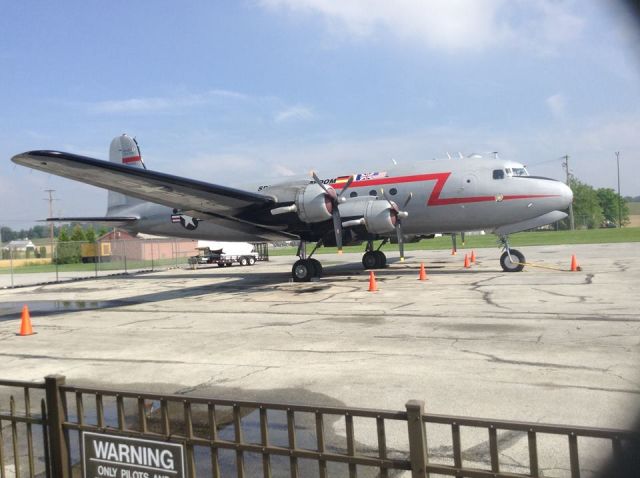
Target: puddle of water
pixel 12 310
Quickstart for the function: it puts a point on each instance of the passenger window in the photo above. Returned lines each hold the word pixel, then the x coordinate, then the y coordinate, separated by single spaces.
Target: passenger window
pixel 498 174
pixel 353 194
pixel 373 192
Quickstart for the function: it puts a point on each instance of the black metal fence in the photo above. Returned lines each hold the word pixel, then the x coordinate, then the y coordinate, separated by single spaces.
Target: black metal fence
pixel 41 427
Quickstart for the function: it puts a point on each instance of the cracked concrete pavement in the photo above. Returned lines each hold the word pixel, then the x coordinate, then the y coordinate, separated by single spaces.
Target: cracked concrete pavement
pixel 543 345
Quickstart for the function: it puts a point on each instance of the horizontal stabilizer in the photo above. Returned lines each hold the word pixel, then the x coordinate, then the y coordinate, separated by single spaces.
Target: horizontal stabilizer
pixel 108 221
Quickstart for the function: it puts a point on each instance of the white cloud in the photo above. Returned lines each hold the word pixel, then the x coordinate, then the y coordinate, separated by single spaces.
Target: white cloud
pixel 557 104
pixel 293 113
pixel 158 104
pixel 447 24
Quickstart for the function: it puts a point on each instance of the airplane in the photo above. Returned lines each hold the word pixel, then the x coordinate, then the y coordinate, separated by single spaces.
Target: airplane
pixel 399 204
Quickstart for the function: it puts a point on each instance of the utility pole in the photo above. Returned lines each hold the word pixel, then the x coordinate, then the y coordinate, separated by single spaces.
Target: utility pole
pixel 565 165
pixel 619 197
pixel 50 199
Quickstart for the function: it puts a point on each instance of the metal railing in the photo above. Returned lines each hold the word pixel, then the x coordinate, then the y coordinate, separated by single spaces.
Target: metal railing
pixel 247 438
pixel 23 422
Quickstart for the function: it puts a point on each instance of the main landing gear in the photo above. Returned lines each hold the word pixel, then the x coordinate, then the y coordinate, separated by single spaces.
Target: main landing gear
pixel 306 268
pixel 511 260
pixel 374 259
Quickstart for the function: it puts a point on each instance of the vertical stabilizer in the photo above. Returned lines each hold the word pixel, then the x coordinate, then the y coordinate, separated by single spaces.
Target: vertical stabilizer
pixel 124 150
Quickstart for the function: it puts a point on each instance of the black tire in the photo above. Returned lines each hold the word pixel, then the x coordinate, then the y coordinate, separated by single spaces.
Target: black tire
pixel 382 259
pixel 508 265
pixel 244 261
pixel 302 271
pixel 369 260
pixel 252 261
pixel 317 267
pixel 220 264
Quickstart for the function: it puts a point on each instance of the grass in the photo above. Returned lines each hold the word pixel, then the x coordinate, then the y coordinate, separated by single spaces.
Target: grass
pixel 538 238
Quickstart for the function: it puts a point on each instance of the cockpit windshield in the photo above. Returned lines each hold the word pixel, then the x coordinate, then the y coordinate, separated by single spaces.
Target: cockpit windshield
pixel 517 172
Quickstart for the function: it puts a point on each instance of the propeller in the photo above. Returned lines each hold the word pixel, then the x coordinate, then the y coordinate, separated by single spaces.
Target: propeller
pixel 453 242
pixel 336 199
pixel 400 214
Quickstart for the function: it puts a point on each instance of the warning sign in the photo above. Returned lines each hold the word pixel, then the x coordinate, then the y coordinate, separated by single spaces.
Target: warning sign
pixel 108 456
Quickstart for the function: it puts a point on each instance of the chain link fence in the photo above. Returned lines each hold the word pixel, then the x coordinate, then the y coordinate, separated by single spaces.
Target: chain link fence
pixel 61 261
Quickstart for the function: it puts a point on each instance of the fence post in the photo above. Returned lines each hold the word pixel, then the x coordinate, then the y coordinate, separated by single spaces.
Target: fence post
pixel 417 439
pixel 58 447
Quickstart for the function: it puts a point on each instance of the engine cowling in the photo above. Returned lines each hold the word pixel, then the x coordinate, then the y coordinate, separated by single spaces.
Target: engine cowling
pixel 313 204
pixel 378 217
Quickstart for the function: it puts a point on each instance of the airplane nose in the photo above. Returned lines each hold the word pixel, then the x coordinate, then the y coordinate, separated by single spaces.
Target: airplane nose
pixel 566 195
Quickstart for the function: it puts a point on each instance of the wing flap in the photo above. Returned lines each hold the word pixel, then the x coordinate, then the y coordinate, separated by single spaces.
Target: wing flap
pixel 160 188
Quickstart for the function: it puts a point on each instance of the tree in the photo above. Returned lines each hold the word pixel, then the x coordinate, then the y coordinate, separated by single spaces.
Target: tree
pixel 586 204
pixel 78 233
pixel 609 201
pixel 90 234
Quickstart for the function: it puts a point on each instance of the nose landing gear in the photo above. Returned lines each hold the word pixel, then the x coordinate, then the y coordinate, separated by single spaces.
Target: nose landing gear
pixel 511 260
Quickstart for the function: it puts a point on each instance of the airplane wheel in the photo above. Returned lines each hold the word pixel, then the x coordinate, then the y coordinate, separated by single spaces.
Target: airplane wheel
pixel 369 260
pixel 382 259
pixel 508 265
pixel 316 266
pixel 302 270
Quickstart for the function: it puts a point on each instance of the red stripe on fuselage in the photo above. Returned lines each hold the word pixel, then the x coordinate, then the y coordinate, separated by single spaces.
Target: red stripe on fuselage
pixel 434 198
pixel 131 159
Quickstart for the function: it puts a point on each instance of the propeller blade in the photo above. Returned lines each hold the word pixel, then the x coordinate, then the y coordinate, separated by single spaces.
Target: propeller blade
pixel 462 237
pixel 453 242
pixel 400 240
pixel 346 186
pixel 337 228
pixel 319 182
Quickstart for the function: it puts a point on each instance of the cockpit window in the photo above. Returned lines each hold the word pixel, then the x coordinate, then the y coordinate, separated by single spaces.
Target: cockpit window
pixel 516 172
pixel 498 174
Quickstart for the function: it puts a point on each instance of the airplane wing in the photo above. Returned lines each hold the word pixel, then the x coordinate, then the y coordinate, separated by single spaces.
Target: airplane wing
pixel 160 188
pixel 108 221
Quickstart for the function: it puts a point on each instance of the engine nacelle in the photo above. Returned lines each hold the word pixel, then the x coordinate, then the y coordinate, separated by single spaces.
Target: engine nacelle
pixel 313 204
pixel 378 217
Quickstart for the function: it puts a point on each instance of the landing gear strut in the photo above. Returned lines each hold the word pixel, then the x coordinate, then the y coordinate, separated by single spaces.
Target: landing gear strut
pixel 511 260
pixel 305 268
pixel 374 259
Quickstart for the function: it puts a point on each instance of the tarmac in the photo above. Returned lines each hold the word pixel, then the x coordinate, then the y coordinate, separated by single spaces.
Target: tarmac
pixel 544 345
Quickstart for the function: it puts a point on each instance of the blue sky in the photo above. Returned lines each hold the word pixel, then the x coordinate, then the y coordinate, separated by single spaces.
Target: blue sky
pixel 235 92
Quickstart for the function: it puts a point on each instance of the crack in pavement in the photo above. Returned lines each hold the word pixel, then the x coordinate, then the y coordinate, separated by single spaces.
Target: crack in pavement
pixel 494 358
pixel 123 360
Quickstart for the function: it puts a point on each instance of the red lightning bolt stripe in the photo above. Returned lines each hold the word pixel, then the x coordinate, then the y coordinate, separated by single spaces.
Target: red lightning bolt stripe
pixel 434 198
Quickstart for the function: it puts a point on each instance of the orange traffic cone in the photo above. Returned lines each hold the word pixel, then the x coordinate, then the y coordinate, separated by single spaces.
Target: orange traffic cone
pixel 574 264
pixel 373 287
pixel 466 261
pixel 423 272
pixel 473 256
pixel 25 325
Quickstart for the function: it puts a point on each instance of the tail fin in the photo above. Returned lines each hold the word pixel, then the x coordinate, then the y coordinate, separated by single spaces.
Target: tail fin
pixel 124 150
